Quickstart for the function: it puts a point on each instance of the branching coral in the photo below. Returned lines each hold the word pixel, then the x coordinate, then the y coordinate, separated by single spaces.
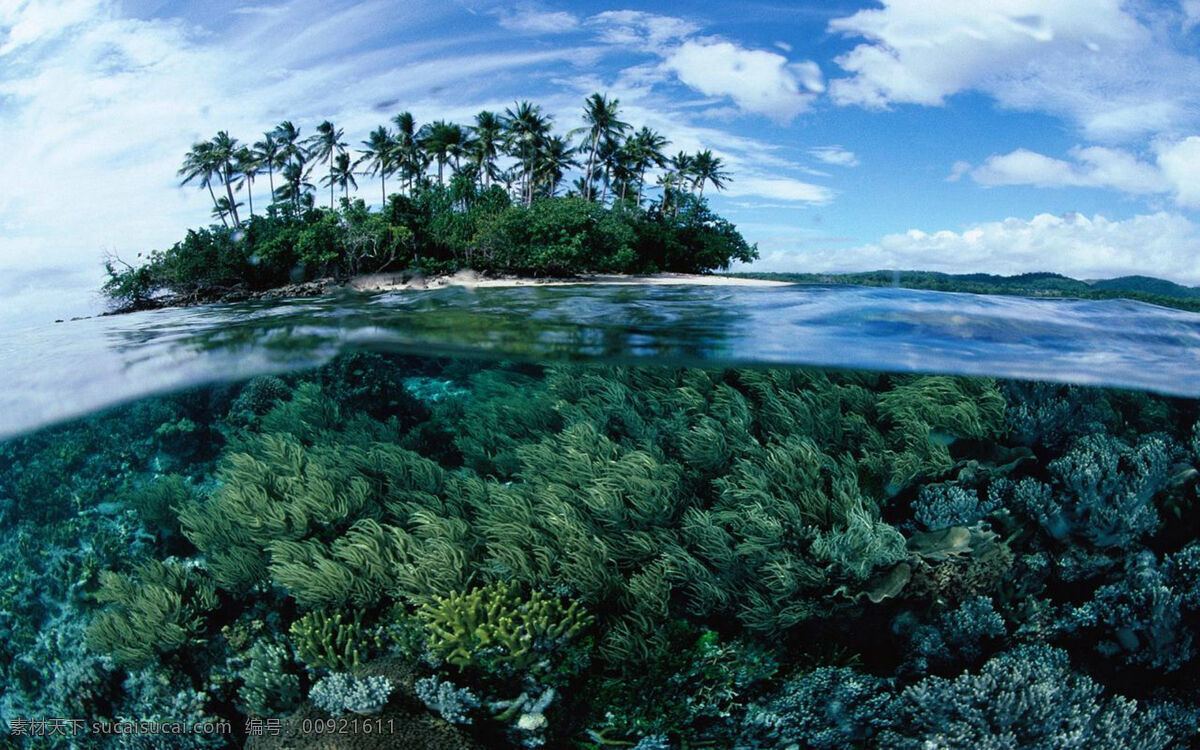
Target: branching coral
pixel 454 704
pixel 825 709
pixel 1027 697
pixel 270 680
pixel 157 609
pixel 340 693
pixel 500 631
pixel 333 640
pixel 1148 617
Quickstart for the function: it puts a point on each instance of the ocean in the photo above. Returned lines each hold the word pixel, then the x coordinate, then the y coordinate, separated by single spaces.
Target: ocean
pixel 604 517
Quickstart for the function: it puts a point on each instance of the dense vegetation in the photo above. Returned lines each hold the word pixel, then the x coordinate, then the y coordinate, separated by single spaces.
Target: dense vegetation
pixel 489 196
pixel 1043 284
pixel 488 555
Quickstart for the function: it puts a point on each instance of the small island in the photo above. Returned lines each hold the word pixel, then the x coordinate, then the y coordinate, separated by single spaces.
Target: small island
pixel 493 198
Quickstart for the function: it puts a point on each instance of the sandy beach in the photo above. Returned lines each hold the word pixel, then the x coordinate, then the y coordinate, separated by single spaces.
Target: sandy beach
pixel 387 282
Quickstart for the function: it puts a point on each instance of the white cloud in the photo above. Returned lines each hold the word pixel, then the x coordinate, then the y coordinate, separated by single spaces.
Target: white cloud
pixel 780 188
pixel 1095 166
pixel 835 155
pixel 1092 61
pixel 1160 244
pixel 532 21
pixel 639 29
pixel 1175 170
pixel 1180 164
pixel 758 81
pixel 1191 14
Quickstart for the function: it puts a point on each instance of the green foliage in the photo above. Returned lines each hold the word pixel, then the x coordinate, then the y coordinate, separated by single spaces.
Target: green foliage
pixel 334 640
pixel 434 229
pixel 128 286
pixel 500 631
pixel 557 237
pixel 157 609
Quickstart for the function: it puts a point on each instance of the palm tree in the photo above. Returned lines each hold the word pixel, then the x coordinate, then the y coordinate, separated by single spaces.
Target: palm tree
pixel 526 130
pixel 611 155
pixel 708 168
pixel 380 155
pixel 646 150
pixel 295 183
pixel 291 148
pixel 601 115
pixel 485 147
pixel 408 157
pixel 200 163
pixel 324 145
pixel 678 174
pixel 554 157
pixel 341 173
pixel 224 208
pixel 270 156
pixel 442 141
pixel 223 149
pixel 247 165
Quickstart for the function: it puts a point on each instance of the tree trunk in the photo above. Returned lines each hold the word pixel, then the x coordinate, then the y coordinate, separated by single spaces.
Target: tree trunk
pixel 228 177
pixel 215 204
pixel 587 177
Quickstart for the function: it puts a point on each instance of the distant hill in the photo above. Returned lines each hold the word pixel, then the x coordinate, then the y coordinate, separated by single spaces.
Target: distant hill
pixel 1042 284
pixel 1149 285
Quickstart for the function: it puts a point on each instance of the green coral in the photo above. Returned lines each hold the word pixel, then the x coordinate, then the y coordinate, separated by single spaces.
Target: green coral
pixel 270 681
pixel 334 640
pixel 158 502
pixel 157 609
pixel 306 507
pixel 499 630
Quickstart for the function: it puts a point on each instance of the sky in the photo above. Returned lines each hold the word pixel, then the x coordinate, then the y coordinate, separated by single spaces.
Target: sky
pixel 1000 136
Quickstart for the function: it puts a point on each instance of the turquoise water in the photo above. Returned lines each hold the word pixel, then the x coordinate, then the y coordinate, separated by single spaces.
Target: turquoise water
pixel 55 371
pixel 598 517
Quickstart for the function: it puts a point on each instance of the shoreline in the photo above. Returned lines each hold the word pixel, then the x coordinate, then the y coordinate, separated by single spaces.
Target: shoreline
pixel 401 281
pixel 389 282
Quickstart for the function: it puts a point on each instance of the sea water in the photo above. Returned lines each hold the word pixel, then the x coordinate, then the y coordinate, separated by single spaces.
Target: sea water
pixel 651 517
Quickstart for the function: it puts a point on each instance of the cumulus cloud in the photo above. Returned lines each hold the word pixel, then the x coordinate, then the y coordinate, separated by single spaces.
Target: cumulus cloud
pixel 1092 61
pixel 1160 244
pixel 835 155
pixel 1095 166
pixel 758 81
pixel 1180 164
pixel 1175 170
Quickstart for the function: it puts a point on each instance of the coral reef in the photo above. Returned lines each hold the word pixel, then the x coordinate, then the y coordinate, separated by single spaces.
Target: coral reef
pixel 157 609
pixel 499 630
pixel 600 556
pixel 333 640
pixel 340 693
pixel 1027 697
pixel 454 704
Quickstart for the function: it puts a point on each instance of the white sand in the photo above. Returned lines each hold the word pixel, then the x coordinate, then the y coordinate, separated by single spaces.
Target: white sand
pixel 387 282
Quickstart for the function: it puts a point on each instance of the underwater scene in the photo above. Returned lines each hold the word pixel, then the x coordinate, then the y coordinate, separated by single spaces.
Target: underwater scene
pixel 401 551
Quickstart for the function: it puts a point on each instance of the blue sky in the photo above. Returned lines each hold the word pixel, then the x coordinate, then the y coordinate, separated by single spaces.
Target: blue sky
pixel 953 135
